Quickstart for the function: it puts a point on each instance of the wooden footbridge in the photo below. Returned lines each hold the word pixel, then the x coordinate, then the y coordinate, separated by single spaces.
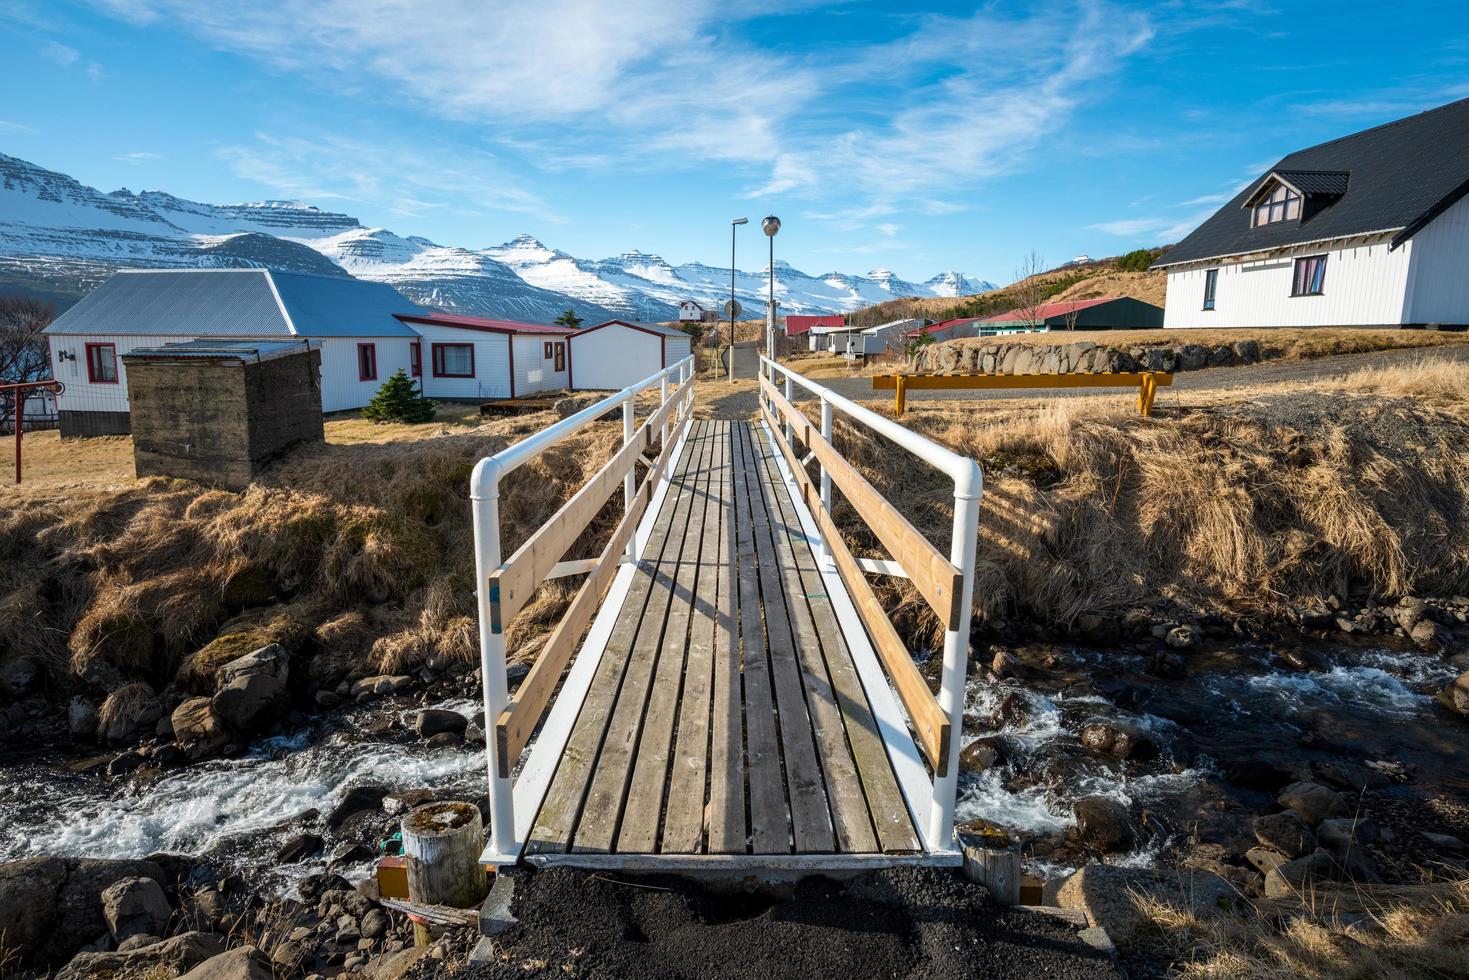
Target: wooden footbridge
pixel 724 691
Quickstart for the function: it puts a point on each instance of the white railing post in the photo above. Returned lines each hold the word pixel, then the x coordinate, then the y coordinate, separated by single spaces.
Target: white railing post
pixel 628 483
pixel 968 488
pixel 825 476
pixel 791 398
pixel 485 494
pixel 663 400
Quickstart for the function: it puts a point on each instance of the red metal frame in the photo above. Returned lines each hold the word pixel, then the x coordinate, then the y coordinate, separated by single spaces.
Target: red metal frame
pixel 362 374
pixel 92 375
pixel 438 361
pixel 18 393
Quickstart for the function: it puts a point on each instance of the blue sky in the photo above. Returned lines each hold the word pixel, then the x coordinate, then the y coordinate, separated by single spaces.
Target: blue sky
pixel 944 136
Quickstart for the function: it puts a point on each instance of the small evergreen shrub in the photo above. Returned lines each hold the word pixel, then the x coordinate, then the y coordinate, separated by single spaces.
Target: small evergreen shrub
pixel 399 400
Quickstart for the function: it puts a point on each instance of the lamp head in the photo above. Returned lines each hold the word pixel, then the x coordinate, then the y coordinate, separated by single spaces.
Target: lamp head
pixel 740 221
pixel 771 225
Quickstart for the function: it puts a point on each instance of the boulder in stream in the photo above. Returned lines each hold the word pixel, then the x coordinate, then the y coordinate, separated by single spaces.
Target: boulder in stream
pixel 1286 833
pixel 1103 824
pixel 135 907
pixel 250 689
pixel 1455 697
pixel 1313 802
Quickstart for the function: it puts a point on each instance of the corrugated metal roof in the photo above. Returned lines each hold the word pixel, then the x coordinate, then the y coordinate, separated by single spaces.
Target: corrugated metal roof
pixel 650 327
pixel 1047 310
pixel 214 303
pixel 237 303
pixel 1403 174
pixel 801 323
pixel 486 323
pixel 1315 181
pixel 214 350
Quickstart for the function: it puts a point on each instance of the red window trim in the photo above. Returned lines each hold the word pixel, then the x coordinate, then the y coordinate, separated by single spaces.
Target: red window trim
pixel 415 359
pixel 91 373
pixel 438 361
pixel 362 374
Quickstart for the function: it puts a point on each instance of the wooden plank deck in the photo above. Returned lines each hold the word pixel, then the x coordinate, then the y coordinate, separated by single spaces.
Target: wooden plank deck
pixel 725 716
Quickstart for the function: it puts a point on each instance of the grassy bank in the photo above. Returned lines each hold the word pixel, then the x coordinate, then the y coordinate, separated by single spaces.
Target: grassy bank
pixel 1244 504
pixel 1281 343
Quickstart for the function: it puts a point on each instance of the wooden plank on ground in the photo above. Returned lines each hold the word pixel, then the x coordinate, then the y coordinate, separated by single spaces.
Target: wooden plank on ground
pixel 684 816
pixel 559 812
pixel 726 821
pixel 853 825
pixel 596 832
pixel 930 723
pixel 932 574
pixel 811 820
pixel 641 816
pixel 770 818
pixel 884 800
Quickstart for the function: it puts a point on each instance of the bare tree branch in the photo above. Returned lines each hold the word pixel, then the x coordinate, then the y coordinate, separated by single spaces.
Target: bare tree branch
pixel 23 354
pixel 1028 290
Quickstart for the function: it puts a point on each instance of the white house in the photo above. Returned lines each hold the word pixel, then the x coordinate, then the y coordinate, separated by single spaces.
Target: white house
pixel 691 312
pixel 615 354
pixel 470 357
pixel 362 341
pixel 1368 230
pixel 888 337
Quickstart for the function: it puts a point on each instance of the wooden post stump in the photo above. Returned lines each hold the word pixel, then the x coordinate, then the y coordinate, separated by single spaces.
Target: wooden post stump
pixel 442 844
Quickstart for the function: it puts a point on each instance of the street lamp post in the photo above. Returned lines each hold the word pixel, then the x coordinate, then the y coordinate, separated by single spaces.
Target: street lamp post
pixel 732 226
pixel 771 225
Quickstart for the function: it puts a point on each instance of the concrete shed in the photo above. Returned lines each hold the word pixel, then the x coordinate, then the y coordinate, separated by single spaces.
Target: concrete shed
pixel 220 411
pixel 615 354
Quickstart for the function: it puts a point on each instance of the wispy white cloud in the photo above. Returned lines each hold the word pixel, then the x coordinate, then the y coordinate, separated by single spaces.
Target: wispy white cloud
pixel 407 182
pixel 6 126
pixel 1206 199
pixel 60 53
pixel 138 157
pixel 1154 228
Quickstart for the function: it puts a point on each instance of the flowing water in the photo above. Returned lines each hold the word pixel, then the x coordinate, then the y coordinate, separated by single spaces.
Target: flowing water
pixel 1240 703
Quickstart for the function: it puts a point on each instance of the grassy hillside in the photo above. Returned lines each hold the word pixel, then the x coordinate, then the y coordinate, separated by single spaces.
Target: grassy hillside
pixel 1122 275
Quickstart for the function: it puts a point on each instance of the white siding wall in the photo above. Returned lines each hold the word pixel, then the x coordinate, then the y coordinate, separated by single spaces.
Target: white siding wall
pixel 1438 282
pixel 675 349
pixel 534 371
pixel 491 363
pixel 83 396
pixel 1366 285
pixel 341 387
pixel 614 357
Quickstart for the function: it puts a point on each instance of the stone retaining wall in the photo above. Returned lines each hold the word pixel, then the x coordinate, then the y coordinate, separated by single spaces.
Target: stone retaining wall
pixel 1083 357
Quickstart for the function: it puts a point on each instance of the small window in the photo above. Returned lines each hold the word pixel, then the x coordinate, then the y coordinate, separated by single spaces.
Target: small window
pixel 102 364
pixel 1310 278
pixel 1211 280
pixel 367 362
pixel 548 350
pixel 415 359
pixel 453 360
pixel 1283 204
pixel 560 356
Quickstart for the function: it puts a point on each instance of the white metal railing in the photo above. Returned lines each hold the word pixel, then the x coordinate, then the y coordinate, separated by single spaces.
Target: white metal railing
pixel 484 492
pixel 968 489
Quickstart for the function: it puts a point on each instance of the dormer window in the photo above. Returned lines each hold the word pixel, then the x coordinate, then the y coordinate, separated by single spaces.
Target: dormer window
pixel 1282 204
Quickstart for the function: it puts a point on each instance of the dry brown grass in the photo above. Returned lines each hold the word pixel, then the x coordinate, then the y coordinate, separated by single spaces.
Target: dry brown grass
pixel 356 555
pixel 1244 505
pixel 1375 933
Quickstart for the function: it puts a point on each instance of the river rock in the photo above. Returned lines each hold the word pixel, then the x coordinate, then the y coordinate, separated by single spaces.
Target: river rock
pixel 1006 665
pixel 1445 842
pixel 436 721
pixel 1408 613
pixel 51 906
pixel 1342 833
pixel 356 800
pixel 1103 824
pixel 979 755
pixel 81 716
pixel 1117 739
pixel 1264 859
pixel 380 685
pixel 250 689
pixel 1109 896
pixel 1295 877
pixel 1286 833
pixel 240 963
pixel 375 924
pixel 1455 697
pixel 1430 637
pixel 199 729
pixel 1182 638
pixel 135 906
pixel 163 958
pixel 396 804
pixel 299 848
pixel 1313 802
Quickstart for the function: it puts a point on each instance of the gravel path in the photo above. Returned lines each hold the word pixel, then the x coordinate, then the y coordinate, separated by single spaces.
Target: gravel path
pixel 909 923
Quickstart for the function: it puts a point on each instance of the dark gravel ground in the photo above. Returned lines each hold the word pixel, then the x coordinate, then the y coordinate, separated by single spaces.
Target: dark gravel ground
pixel 898 923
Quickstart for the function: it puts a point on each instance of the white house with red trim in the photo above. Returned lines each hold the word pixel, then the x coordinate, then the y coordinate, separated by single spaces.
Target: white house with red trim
pixel 475 358
pixel 612 355
pixel 352 321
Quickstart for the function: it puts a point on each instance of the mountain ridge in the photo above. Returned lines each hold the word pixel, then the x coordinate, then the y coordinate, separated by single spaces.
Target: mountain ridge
pixel 62 237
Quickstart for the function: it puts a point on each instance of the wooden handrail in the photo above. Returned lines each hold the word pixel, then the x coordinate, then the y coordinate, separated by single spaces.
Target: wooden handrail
pixel 929 721
pixel 525 708
pixel 1146 383
pixel 512 585
pixel 936 579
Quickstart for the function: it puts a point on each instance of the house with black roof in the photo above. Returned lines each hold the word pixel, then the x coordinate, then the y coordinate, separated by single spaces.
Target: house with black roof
pixel 1367 230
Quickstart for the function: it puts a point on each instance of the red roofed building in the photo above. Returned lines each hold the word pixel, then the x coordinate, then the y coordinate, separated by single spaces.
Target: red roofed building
pixel 1101 313
pixel 796 325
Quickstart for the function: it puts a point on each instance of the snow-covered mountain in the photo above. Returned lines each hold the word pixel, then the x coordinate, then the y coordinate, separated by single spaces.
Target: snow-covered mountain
pixel 62 237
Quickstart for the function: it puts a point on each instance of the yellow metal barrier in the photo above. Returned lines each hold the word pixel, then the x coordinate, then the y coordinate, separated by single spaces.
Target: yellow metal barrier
pixel 1146 382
